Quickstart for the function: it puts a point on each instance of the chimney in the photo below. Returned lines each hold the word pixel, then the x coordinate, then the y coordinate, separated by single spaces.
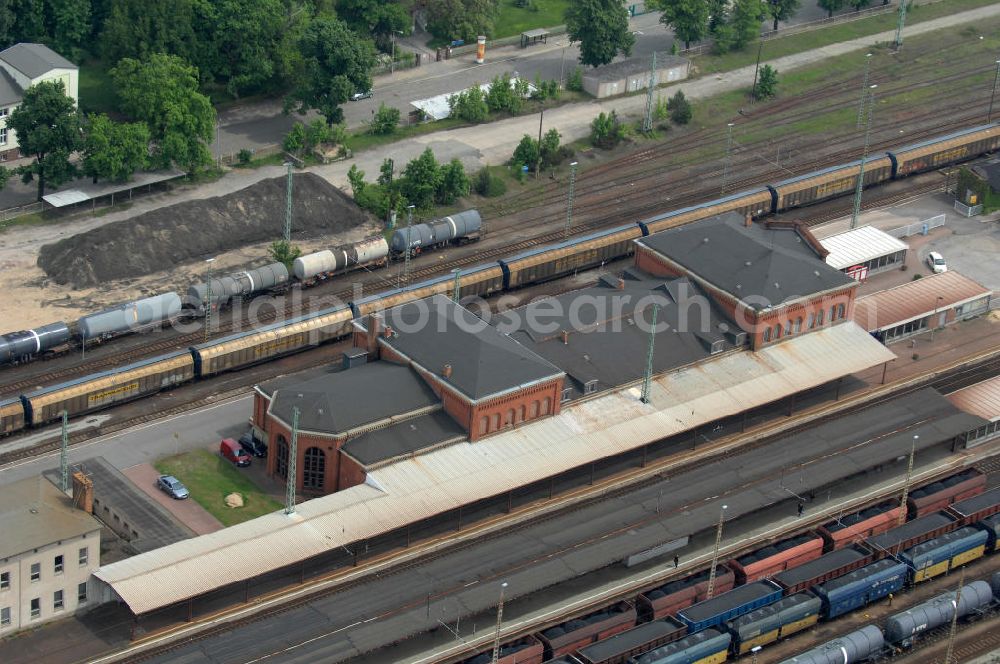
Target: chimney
pixel 565 337
pixel 621 284
pixel 374 329
pixel 446 371
pixel 748 221
pixel 83 492
pixel 388 332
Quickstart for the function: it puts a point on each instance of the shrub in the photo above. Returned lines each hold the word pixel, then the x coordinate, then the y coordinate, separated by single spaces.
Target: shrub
pixel 244 156
pixel 575 80
pixel 454 183
pixel 680 108
pixel 606 131
pixel 489 185
pixel 385 120
pixel 526 152
pixel 470 105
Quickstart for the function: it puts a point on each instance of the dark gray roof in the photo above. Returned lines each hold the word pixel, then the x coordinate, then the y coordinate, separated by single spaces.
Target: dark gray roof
pixel 33 60
pixel 822 565
pixel 991 171
pixel 976 503
pixel 909 530
pixel 623 643
pixel 341 401
pixel 402 438
pixel 604 341
pixel 767 265
pixel 435 332
pixel 623 68
pixel 10 91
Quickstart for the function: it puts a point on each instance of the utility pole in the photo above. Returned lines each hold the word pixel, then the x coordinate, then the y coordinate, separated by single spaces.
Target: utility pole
pixel 569 202
pixel 293 455
pixel 456 290
pixel 864 90
pixel 729 151
pixel 208 298
pixel 409 232
pixel 954 618
pixel 906 483
pixel 647 381
pixel 647 123
pixel 288 204
pixel 715 555
pixel 864 158
pixel 900 24
pixel 538 160
pixel 64 454
pixel 996 81
pixel 496 634
pixel 753 90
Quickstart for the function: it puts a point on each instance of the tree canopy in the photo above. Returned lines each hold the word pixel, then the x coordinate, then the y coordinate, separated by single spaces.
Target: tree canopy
pixel 782 10
pixel 601 27
pixel 687 18
pixel 379 18
pixel 461 19
pixel 163 93
pixel 113 151
pixel 48 128
pixel 831 6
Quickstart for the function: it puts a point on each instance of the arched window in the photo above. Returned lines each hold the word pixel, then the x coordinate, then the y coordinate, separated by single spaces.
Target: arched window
pixel 282 466
pixel 496 422
pixel 798 325
pixel 546 405
pixel 767 334
pixel 819 317
pixel 788 327
pixel 484 425
pixel 812 321
pixel 777 331
pixel 840 311
pixel 314 469
pixel 534 410
pixel 521 414
pixel 509 422
pixel 833 314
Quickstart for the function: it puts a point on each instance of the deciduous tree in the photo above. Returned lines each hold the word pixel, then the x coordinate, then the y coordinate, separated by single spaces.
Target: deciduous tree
pixel 379 18
pixel 138 28
pixel 70 21
pixel 421 179
pixel 687 18
pixel 831 6
pixel 461 19
pixel 782 10
pixel 48 128
pixel 114 151
pixel 385 120
pixel 601 27
pixel 247 42
pixel 163 92
pixel 745 21
pixel 767 86
pixel 454 183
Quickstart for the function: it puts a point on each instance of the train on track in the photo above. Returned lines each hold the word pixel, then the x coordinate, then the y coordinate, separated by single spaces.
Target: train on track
pixel 536 265
pixel 154 312
pixel 790 585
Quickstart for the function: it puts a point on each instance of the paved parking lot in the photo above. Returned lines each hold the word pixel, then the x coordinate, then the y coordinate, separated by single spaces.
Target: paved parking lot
pixel 188 512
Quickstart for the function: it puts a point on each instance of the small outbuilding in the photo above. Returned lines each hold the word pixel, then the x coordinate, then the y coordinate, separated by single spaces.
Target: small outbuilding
pixel 631 75
pixel 864 251
pixel 529 37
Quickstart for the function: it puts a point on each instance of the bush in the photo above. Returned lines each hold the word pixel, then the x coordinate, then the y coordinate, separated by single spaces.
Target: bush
pixel 244 156
pixel 470 105
pixel 767 83
pixel 526 152
pixel 489 185
pixel 284 253
pixel 385 120
pixel 680 108
pixel 454 183
pixel 304 138
pixel 607 131
pixel 551 153
pixel 575 80
pixel 295 140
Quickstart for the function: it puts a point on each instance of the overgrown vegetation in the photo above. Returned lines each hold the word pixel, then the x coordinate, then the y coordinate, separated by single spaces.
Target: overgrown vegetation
pixel 423 183
pixel 607 131
pixel 282 251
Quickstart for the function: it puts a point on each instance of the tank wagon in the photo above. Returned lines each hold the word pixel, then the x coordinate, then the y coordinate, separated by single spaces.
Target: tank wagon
pixel 237 284
pixel 903 627
pixel 856 646
pixel 324 264
pixel 460 228
pixel 135 316
pixel 26 345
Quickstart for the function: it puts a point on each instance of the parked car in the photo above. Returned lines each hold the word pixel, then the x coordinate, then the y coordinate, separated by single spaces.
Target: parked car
pixel 358 96
pixel 936 262
pixel 232 450
pixel 253 445
pixel 172 487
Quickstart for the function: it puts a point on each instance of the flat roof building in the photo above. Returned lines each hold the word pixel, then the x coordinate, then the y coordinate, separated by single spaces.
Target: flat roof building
pixel 864 251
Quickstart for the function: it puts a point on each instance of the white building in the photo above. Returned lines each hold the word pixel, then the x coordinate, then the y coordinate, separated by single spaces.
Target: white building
pixel 24 65
pixel 48 550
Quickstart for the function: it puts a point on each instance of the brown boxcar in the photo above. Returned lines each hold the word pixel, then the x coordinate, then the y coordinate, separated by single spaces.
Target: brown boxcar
pixel 526 650
pixel 673 596
pixel 570 636
pixel 778 557
pixel 911 533
pixel 977 508
pixel 939 495
pixel 755 202
pixel 944 150
pixel 826 567
pixel 830 183
pixel 11 416
pixel 859 526
pixel 640 639
pixel 109 388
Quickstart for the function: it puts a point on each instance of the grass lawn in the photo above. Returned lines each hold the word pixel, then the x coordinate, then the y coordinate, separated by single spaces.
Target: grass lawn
pixel 513 20
pixel 210 478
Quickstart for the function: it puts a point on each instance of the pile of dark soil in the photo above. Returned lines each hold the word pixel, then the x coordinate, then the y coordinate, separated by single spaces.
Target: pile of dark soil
pixel 172 235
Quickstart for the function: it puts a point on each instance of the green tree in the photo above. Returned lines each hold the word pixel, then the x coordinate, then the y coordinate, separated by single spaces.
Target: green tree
pixel 138 28
pixel 549 149
pixel 469 105
pixel 745 22
pixel 385 120
pixel 356 177
pixel 858 5
pixel 718 11
pixel 680 108
pixel 574 81
pixel 284 252
pixel 782 10
pixel 70 25
pixel 606 131
pixel 113 151
pixel 379 18
pixel 601 27
pixel 295 139
pixel 461 19
pixel 29 21
pixel 488 184
pixel 687 18
pixel 163 93
pixel 831 6
pixel 767 84
pixel 247 40
pixel 7 17
pixel 48 128
pixel 505 95
pixel 421 179
pixel 526 153
pixel 336 64
pixel 454 183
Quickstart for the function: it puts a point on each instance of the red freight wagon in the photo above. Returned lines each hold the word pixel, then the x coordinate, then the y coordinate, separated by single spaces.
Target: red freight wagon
pixel 673 596
pixel 976 508
pixel 526 650
pixel 861 525
pixel 574 634
pixel 939 495
pixel 770 560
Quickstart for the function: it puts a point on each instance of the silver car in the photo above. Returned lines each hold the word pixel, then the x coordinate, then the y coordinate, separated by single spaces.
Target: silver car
pixel 358 96
pixel 172 487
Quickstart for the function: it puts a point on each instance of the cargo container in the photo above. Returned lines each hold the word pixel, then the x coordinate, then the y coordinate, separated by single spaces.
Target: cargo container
pixel 733 604
pixel 826 567
pixel 778 557
pixel 860 525
pixel 640 639
pixel 570 636
pixel 671 597
pixel 861 587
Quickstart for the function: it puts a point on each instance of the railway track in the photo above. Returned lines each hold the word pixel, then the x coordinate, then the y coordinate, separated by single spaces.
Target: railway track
pixel 988 368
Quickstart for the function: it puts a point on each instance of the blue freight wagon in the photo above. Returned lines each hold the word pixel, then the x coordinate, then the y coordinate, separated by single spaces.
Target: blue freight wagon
pixel 937 556
pixel 733 604
pixel 710 645
pixel 770 623
pixel 861 587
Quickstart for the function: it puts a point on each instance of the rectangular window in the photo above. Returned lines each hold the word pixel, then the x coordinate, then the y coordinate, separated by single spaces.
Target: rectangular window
pixel 36 607
pixel 84 556
pixel 4 580
pixel 4 616
pixel 36 571
pixel 57 600
pixel 57 565
pixel 3 135
pixel 81 592
pixel 4 112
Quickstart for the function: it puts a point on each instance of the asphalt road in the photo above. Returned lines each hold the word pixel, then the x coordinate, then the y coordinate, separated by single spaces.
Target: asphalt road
pixel 465 582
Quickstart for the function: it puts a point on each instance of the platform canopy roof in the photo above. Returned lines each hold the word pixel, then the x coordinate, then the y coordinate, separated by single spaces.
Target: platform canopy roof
pixel 84 191
pixel 916 299
pixel 416 488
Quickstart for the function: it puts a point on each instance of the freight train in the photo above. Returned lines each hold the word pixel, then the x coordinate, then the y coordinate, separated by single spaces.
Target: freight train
pixel 820 575
pixel 529 267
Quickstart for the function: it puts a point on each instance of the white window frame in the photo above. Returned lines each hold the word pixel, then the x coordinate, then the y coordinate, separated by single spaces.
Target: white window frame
pixel 58 600
pixel 58 564
pixel 83 555
pixel 5 620
pixel 4 580
pixel 36 572
pixel 35 606
pixel 81 597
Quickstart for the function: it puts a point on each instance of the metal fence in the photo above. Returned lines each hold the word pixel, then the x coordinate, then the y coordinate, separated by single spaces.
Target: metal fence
pixel 921 227
pixel 968 210
pixel 14 213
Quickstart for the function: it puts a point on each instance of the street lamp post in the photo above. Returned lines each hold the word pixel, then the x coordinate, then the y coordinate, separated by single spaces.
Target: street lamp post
pixel 996 81
pixel 906 483
pixel 496 635
pixel 864 158
pixel 864 89
pixel 715 555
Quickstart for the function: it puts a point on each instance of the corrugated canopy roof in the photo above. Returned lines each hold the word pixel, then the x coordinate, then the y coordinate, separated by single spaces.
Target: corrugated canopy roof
pixel 87 190
pixel 982 399
pixel 858 246
pixel 915 299
pixel 413 489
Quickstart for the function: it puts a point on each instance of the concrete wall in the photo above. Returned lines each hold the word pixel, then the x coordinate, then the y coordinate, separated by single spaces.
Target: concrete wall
pixel 595 86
